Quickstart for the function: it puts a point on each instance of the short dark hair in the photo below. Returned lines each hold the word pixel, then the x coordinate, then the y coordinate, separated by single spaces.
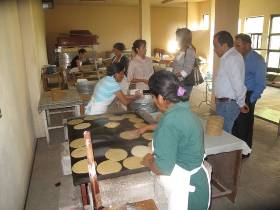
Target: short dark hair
pixel 244 38
pixel 224 37
pixel 137 44
pixel 119 46
pixel 166 84
pixel 82 50
pixel 114 68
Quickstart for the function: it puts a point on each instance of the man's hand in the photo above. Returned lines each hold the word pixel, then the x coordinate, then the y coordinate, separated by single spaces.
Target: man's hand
pixel 245 109
pixel 147 160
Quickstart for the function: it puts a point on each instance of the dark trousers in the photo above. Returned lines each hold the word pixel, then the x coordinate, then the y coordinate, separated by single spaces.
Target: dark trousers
pixel 244 124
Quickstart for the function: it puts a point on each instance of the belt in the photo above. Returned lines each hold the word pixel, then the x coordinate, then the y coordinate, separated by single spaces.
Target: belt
pixel 224 99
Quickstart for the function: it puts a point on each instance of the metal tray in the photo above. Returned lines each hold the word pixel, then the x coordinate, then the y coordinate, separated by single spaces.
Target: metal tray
pixel 104 138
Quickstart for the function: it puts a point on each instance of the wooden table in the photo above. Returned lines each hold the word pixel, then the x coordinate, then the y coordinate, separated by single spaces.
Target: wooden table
pixel 269 115
pixel 53 102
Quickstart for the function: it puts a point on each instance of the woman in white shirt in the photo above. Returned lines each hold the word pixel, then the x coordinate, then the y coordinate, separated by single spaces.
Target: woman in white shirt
pixel 140 68
pixel 185 59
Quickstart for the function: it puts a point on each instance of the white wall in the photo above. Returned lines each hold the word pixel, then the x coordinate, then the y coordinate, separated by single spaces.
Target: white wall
pixel 16 126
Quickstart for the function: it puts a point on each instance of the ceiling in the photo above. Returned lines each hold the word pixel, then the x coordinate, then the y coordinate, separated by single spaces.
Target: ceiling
pixel 174 3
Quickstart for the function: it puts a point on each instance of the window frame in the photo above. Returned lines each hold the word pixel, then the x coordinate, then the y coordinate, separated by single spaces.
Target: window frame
pixel 259 35
pixel 270 69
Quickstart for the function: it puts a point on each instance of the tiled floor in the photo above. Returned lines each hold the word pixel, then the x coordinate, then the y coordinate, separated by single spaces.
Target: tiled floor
pixel 260 177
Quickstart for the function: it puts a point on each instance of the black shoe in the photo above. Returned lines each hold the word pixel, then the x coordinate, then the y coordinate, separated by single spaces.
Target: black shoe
pixel 245 156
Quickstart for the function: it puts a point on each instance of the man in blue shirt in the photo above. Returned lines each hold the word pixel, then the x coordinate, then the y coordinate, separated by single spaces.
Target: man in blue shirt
pixel 255 80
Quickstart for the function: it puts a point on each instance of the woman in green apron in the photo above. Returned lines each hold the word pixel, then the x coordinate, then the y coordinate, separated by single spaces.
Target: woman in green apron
pixel 178 147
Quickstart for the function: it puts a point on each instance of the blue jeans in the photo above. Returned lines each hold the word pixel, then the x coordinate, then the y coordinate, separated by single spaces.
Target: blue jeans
pixel 229 110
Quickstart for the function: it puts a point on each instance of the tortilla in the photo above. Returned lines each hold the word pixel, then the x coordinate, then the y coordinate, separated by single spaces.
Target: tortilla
pixel 116 118
pixel 91 117
pixel 108 167
pixel 82 126
pixel 136 120
pixel 116 154
pixel 112 124
pixel 78 143
pixel 148 136
pixel 139 125
pixel 129 135
pixel 75 122
pixel 140 151
pixel 132 163
pixel 80 167
pixel 129 115
pixel 79 152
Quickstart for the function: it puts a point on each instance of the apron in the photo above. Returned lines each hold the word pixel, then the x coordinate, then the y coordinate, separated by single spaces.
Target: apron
pixel 95 108
pixel 177 186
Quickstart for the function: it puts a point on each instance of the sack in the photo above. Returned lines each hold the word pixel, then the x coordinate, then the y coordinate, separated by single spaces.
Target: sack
pixel 195 77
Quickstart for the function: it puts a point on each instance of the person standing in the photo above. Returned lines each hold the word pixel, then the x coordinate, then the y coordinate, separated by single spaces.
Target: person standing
pixel 140 68
pixel 229 87
pixel 185 59
pixel 255 75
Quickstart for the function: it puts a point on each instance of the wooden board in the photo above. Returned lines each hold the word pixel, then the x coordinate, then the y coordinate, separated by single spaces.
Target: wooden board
pixel 268 114
pixel 146 205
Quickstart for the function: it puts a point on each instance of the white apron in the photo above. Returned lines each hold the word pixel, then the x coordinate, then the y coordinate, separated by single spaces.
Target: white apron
pixel 177 187
pixel 95 108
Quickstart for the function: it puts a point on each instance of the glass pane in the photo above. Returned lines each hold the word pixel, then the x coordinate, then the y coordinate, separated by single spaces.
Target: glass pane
pixel 274 42
pixel 253 25
pixel 256 41
pixel 275 25
pixel 273 59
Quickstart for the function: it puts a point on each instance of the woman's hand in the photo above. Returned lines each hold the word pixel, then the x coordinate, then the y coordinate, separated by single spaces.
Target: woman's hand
pixel 141 130
pixel 147 160
pixel 178 73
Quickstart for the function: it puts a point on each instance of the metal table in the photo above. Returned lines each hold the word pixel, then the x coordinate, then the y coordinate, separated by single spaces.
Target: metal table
pixel 56 101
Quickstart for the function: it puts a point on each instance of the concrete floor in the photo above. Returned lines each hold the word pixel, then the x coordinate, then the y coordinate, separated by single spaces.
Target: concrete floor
pixel 260 177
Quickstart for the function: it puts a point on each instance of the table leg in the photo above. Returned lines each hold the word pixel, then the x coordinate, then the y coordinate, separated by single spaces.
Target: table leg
pixel 226 169
pixel 278 132
pixel 66 138
pixel 84 194
pixel 46 126
pixel 77 111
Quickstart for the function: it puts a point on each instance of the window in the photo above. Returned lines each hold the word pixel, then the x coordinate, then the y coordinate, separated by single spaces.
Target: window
pixel 254 27
pixel 273 53
pixel 205 21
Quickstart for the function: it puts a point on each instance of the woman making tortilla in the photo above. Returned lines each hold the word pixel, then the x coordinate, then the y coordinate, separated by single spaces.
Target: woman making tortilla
pixel 140 68
pixel 178 147
pixel 107 89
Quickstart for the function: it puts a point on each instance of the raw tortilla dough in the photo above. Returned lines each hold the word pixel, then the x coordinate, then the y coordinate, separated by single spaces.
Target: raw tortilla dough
pixel 140 151
pixel 77 143
pixel 79 152
pixel 116 154
pixel 136 120
pixel 148 136
pixel 116 118
pixel 75 122
pixel 129 135
pixel 112 124
pixel 129 115
pixel 108 167
pixel 82 126
pixel 80 167
pixel 139 125
pixel 132 162
pixel 91 117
